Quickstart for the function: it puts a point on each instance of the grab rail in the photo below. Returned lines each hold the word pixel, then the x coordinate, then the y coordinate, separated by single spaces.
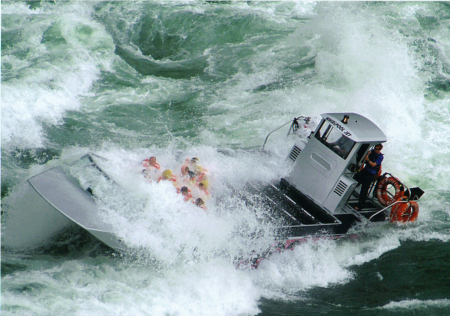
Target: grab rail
pixel 387 208
pixel 294 122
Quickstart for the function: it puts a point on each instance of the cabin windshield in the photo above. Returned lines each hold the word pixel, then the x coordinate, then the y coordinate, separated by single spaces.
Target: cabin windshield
pixel 335 140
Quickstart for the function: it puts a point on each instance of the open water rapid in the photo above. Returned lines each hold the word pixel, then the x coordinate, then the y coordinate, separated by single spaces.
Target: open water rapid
pixel 178 79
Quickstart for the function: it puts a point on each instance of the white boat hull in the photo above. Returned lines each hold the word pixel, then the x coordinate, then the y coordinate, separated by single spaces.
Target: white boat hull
pixel 51 201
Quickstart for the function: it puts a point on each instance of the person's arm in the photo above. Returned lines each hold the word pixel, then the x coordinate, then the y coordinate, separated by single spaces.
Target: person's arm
pixel 372 164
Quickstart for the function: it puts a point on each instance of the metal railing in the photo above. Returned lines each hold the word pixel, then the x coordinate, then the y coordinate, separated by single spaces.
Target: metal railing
pixel 390 205
pixel 294 127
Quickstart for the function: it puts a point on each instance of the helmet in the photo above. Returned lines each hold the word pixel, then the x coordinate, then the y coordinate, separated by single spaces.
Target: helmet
pixel 198 169
pixel 167 174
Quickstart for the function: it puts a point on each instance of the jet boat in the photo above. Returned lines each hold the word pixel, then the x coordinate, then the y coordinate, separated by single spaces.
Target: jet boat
pixel 316 199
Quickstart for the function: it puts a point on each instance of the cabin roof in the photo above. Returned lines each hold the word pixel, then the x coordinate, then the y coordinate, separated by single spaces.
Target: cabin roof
pixel 359 128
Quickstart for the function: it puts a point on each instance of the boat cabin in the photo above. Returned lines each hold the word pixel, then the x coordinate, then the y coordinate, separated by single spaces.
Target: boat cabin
pixel 323 169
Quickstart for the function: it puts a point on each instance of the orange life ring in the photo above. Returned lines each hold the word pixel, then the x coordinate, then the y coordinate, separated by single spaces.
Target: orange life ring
pixel 405 212
pixel 382 192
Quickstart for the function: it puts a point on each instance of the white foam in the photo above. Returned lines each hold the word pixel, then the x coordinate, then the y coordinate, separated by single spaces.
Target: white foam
pixel 417 304
pixel 153 218
pixel 309 265
pixel 107 288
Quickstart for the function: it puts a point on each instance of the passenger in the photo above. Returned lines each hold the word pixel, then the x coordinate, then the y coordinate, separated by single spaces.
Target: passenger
pixel 186 193
pixel 186 174
pixel 151 162
pixel 193 164
pixel 184 171
pixel 185 178
pixel 194 161
pixel 151 168
pixel 200 174
pixel 167 175
pixel 190 162
pixel 200 203
pixel 196 172
pixel 204 186
pixel 369 173
pixel 145 163
pixel 198 169
pixel 203 189
pixel 191 175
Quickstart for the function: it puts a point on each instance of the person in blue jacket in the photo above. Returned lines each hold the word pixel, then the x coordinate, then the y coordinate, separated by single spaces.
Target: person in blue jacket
pixel 369 173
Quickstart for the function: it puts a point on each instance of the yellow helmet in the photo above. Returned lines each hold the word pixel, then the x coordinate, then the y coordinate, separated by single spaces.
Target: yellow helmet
pixel 198 169
pixel 167 174
pixel 204 183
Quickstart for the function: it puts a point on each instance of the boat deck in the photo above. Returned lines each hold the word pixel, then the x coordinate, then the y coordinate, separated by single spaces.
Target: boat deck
pixel 302 217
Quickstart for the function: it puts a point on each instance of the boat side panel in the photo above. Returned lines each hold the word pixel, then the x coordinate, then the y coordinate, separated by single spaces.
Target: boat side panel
pixel 63 194
pixel 30 219
pixel 78 205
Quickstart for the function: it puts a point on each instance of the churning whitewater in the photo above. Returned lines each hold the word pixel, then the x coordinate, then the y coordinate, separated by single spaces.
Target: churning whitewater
pixel 128 80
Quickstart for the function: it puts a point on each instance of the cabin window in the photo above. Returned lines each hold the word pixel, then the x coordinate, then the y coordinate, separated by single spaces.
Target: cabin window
pixel 335 140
